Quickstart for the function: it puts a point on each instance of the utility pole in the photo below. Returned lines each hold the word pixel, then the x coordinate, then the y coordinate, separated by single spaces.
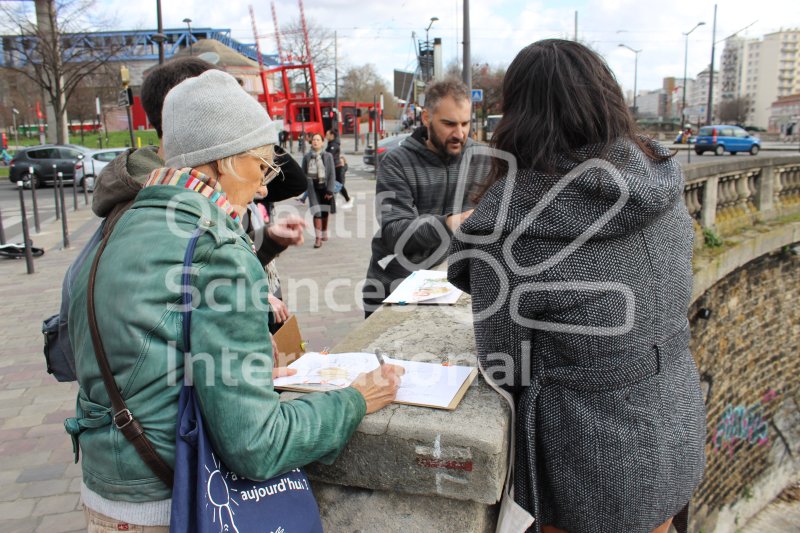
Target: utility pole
pixel 159 37
pixel 467 72
pixel 335 124
pixel 710 106
pixel 575 38
pixel 685 64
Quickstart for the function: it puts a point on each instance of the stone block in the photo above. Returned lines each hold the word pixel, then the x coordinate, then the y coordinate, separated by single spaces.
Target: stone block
pixel 39 489
pixel 458 454
pixel 42 473
pixel 362 510
pixel 16 509
pixel 58 504
pixel 63 522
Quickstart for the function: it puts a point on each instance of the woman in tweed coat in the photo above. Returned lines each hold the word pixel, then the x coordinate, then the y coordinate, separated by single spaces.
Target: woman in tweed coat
pixel 579 266
pixel 321 175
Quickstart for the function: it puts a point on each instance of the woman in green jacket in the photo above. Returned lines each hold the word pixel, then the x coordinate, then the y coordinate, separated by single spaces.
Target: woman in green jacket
pixel 218 148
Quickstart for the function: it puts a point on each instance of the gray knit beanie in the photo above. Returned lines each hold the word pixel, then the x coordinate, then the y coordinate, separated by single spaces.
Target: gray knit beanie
pixel 210 117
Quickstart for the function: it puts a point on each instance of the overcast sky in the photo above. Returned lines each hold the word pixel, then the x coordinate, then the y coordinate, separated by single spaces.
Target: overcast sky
pixel 379 32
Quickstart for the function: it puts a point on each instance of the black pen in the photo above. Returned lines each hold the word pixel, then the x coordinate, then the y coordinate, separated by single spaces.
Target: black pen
pixel 379 356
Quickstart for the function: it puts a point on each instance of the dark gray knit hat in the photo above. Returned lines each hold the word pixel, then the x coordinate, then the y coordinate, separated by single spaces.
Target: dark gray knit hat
pixel 210 117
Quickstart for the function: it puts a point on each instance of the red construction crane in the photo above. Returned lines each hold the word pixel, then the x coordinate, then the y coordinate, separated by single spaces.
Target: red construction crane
pixel 300 111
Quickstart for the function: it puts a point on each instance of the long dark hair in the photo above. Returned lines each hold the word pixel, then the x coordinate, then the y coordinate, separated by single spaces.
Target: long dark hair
pixel 558 96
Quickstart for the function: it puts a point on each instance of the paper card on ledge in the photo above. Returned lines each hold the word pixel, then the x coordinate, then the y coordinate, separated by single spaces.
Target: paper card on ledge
pixel 425 287
pixel 423 384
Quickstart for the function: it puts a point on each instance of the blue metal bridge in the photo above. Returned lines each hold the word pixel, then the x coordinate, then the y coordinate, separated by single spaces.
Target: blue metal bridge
pixel 138 45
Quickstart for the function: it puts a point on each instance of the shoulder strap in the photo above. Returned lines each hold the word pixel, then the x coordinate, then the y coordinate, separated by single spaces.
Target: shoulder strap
pixel 122 417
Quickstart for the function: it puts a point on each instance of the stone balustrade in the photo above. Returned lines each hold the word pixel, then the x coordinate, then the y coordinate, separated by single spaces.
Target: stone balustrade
pixel 736 193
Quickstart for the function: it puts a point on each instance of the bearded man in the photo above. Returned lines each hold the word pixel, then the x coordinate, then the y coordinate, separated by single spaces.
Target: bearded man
pixel 416 193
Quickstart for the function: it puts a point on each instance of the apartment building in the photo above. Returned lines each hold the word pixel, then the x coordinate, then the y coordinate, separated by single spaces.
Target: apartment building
pixel 761 70
pixel 697 95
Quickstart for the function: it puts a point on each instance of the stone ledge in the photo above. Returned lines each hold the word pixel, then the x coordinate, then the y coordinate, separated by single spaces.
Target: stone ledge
pixel 362 510
pixel 708 271
pixel 458 454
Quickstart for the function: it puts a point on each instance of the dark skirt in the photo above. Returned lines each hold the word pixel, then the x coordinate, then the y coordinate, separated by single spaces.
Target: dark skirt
pixel 320 207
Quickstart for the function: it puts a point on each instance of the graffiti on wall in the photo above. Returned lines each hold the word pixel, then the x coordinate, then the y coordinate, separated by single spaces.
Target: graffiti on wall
pixel 743 424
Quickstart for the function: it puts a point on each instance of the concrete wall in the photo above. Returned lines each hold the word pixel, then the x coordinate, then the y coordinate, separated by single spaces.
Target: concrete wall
pixel 747 354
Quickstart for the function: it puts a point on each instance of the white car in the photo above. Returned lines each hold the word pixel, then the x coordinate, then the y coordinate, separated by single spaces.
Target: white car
pixel 93 162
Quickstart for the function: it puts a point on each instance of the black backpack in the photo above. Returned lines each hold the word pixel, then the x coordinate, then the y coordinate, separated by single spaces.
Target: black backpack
pixel 57 349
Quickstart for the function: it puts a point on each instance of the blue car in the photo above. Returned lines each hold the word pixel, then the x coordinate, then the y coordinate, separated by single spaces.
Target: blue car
pixel 723 138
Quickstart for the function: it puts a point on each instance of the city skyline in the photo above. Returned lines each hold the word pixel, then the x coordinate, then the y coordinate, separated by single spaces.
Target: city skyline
pixel 498 31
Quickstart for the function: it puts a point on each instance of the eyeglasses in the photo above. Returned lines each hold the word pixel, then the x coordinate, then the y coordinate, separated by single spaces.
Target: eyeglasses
pixel 270 173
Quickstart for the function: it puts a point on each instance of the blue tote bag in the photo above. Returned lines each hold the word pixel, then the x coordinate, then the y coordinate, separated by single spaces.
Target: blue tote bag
pixel 206 496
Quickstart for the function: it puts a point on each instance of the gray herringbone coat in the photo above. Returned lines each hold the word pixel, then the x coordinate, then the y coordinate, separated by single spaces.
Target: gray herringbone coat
pixel 580 290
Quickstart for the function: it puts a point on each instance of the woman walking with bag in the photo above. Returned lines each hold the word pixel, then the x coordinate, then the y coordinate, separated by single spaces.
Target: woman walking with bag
pixel 182 238
pixel 334 147
pixel 320 171
pixel 580 268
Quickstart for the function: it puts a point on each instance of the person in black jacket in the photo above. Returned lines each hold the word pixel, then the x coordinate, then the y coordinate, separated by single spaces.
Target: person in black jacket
pixel 334 148
pixel 419 200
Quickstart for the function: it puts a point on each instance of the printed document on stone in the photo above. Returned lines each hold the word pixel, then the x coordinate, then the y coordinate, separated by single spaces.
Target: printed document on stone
pixel 425 287
pixel 423 384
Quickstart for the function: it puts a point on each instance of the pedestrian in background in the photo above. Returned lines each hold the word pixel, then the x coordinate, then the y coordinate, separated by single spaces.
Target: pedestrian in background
pixel 321 175
pixel 334 148
pixel 586 290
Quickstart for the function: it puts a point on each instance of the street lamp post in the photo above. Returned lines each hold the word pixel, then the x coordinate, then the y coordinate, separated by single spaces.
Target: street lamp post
pixel 188 23
pixel 427 71
pixel 635 76
pixel 685 66
pixel 427 40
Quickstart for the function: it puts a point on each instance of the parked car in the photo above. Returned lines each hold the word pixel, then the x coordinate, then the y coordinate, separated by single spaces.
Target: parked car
pixel 724 138
pixel 41 159
pixel 90 166
pixel 384 146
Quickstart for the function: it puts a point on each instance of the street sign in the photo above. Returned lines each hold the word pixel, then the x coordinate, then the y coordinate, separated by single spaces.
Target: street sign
pixel 477 95
pixel 122 98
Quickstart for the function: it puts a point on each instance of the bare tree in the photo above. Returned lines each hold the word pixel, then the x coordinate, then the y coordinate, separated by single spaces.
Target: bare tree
pixel 735 110
pixel 17 92
pixel 486 77
pixel 55 52
pixel 320 53
pixel 362 84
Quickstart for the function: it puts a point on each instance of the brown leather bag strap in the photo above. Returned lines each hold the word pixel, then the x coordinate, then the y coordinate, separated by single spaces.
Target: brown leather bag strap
pixel 122 416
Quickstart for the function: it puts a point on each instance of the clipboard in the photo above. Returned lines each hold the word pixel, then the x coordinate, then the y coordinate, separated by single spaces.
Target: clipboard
pixel 288 343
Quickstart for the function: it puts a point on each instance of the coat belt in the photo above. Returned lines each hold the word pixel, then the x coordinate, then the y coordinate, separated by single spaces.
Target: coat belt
pixel 589 380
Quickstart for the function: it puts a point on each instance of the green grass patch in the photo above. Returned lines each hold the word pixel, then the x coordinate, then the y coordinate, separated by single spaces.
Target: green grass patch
pixel 3 172
pixel 114 139
pixel 712 240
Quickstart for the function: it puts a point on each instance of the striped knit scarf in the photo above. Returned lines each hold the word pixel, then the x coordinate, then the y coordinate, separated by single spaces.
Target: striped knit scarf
pixel 188 178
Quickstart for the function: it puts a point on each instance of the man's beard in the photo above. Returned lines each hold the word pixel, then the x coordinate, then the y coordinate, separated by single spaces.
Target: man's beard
pixel 441 147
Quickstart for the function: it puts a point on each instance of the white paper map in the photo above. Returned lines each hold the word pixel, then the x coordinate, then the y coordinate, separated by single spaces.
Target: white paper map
pixel 425 384
pixel 425 287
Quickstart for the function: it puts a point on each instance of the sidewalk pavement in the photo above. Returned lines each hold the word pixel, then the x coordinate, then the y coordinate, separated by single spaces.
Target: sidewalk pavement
pixel 39 483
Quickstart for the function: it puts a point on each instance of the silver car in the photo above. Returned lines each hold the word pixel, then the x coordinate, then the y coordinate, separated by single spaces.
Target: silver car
pixel 93 162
